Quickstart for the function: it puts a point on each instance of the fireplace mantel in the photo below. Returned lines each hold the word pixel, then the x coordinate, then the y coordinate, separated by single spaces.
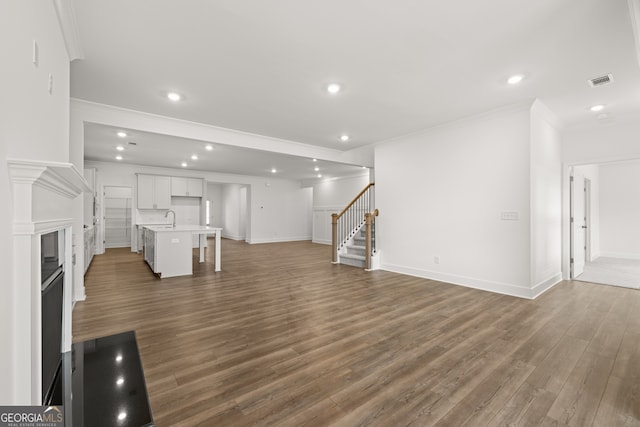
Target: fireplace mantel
pixel 42 199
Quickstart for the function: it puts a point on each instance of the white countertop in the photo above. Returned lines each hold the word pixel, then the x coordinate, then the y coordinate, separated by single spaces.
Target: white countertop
pixel 196 229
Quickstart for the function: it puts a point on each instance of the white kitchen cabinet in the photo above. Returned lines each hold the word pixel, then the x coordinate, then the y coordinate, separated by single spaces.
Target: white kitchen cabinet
pixel 186 187
pixel 154 192
pixel 168 254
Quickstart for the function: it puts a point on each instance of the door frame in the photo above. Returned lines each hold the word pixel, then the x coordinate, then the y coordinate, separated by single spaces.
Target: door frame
pixel 571 219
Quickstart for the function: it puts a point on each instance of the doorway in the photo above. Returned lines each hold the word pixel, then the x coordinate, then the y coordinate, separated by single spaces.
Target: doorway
pixel 117 217
pixel 604 243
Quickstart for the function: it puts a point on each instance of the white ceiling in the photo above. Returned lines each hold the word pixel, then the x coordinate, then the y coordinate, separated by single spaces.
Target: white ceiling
pixel 262 66
pixel 152 149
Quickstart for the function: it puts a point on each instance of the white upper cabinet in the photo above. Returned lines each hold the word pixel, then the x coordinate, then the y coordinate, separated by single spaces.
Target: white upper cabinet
pixel 154 192
pixel 186 187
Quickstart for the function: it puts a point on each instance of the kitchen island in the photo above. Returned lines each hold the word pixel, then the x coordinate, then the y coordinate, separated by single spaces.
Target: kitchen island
pixel 168 249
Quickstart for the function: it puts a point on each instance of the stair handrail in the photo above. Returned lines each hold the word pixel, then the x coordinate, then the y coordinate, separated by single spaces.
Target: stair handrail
pixel 355 199
pixel 349 220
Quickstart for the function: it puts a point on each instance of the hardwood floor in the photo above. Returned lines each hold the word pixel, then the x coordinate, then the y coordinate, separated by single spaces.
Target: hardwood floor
pixel 283 337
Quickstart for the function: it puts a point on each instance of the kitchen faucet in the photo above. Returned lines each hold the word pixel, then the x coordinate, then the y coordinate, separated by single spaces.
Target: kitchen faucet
pixel 174 217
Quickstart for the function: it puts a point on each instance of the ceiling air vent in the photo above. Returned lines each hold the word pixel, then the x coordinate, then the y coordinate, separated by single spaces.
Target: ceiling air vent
pixel 601 81
pixel 132 143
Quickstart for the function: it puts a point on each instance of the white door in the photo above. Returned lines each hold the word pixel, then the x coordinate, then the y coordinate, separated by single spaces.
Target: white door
pixel 578 225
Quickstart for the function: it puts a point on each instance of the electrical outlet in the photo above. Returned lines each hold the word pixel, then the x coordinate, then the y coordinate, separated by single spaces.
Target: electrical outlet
pixel 436 260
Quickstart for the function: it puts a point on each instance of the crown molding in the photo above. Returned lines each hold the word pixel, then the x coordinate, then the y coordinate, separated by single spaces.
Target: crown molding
pixel 634 14
pixel 69 27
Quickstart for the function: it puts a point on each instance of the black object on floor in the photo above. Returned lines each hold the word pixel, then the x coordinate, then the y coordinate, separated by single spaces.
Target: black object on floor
pixel 108 386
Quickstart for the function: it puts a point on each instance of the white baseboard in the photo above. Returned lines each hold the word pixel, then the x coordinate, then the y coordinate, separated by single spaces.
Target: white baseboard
pixel 619 255
pixel 79 296
pixel 595 255
pixel 545 285
pixel 469 282
pixel 321 241
pixel 232 236
pixel 280 240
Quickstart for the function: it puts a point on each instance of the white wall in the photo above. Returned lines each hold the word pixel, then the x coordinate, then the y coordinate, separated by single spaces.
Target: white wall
pixel 232 226
pixel 441 194
pixel 602 142
pixel 280 212
pixel 339 192
pixel 546 199
pixel 214 194
pixel 35 125
pixel 331 196
pixel 620 210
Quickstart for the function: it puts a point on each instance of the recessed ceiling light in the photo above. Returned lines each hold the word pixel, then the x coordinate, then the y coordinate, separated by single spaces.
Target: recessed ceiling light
pixel 122 416
pixel 118 157
pixel 344 138
pixel 120 381
pixel 119 358
pixel 120 148
pixel 315 160
pixel 183 164
pixel 319 175
pixel 122 134
pixel 209 147
pixel 194 157
pixel 316 169
pixel 274 170
pixel 597 108
pixel 515 79
pixel 333 88
pixel 174 96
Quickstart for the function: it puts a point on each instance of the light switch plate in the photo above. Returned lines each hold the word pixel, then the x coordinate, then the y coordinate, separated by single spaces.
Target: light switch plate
pixel 509 216
pixel 34 53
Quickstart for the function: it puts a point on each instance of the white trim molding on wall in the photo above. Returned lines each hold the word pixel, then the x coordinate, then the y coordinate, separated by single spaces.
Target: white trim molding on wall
pixel 618 255
pixel 69 27
pixel 469 282
pixel 634 13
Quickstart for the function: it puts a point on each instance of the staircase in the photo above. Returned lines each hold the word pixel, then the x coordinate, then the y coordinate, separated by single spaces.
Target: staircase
pixel 353 232
pixel 354 253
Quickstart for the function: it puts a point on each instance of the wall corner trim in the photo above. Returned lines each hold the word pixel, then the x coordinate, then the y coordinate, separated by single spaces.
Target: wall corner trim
pixel 634 14
pixel 69 27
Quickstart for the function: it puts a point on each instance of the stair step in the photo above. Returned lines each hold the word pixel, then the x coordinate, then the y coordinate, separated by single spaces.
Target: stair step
pixel 362 240
pixel 353 260
pixel 356 249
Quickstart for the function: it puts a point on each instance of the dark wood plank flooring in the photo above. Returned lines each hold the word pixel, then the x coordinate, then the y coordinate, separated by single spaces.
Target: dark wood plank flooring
pixel 283 337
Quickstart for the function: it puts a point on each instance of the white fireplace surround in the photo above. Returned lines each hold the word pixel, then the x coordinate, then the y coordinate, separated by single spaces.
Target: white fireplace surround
pixel 43 195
